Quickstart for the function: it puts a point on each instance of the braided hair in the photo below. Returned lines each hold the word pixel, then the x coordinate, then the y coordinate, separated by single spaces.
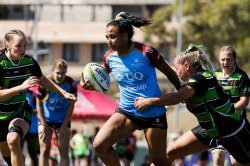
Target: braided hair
pixel 125 22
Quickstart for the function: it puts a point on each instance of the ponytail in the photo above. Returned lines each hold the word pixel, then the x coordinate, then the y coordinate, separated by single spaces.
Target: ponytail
pixel 197 57
pixel 2 47
pixel 126 21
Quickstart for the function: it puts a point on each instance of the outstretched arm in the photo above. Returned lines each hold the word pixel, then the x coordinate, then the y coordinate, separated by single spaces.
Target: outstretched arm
pixel 165 100
pixel 48 84
pixel 242 103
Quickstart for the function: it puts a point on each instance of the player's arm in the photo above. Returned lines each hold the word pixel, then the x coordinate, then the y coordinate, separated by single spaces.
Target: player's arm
pixel 6 94
pixel 70 106
pixel 242 103
pixel 244 93
pixel 40 111
pixel 168 99
pixel 69 113
pixel 48 84
pixel 161 64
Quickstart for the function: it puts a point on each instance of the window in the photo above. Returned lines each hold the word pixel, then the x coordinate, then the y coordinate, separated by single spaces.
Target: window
pixel 16 12
pixel 43 55
pixel 71 52
pixel 98 52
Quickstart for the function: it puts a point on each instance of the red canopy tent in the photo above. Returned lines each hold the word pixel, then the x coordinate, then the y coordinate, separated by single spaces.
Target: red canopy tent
pixel 92 105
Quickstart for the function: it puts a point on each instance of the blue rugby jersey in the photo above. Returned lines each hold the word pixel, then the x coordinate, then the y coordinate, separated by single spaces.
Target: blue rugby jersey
pixel 136 76
pixel 56 106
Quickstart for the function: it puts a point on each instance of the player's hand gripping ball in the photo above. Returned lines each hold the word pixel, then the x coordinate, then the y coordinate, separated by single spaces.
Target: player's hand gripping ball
pixel 97 76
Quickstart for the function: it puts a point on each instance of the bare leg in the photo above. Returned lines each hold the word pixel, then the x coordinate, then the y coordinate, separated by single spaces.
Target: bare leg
pixel 14 141
pixel 185 145
pixel 33 145
pixel 157 144
pixel 5 151
pixel 117 127
pixel 63 146
pixel 218 157
pixel 45 134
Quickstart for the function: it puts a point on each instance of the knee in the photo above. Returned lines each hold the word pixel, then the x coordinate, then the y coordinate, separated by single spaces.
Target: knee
pixel 171 155
pixel 218 161
pixel 45 149
pixel 63 150
pixel 13 140
pixel 99 146
pixel 157 160
pixel 218 157
pixel 233 161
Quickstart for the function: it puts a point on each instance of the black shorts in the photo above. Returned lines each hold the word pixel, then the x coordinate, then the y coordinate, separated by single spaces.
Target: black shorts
pixel 129 156
pixel 55 125
pixel 142 123
pixel 4 127
pixel 238 144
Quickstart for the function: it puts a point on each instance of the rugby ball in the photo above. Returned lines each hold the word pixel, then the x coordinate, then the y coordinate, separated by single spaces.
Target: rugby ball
pixel 97 75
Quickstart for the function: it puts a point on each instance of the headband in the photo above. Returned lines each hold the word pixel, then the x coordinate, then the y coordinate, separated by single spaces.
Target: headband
pixel 193 47
pixel 119 18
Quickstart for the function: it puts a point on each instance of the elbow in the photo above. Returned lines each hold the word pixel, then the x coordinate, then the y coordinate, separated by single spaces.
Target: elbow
pixel 72 102
pixel 178 98
pixel 2 98
pixel 177 101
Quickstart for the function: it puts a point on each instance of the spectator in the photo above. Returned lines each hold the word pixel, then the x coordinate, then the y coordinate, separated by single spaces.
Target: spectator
pixel 130 149
pixel 55 115
pixel 18 73
pixel 80 149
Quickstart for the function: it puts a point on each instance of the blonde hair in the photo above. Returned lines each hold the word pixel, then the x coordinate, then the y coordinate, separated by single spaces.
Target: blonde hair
pixel 8 37
pixel 61 64
pixel 229 50
pixel 197 58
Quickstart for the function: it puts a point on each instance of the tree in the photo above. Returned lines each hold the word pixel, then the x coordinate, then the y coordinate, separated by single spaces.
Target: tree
pixel 213 23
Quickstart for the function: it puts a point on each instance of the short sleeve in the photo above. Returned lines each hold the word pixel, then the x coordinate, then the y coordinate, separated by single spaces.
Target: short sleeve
pixel 244 85
pixel 36 70
pixel 73 89
pixel 1 75
pixel 154 56
pixel 199 83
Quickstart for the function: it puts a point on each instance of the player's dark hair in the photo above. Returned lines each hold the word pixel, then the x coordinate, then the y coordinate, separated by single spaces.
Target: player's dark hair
pixel 125 22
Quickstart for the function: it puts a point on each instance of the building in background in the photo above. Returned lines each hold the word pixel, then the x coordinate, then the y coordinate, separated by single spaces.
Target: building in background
pixel 70 29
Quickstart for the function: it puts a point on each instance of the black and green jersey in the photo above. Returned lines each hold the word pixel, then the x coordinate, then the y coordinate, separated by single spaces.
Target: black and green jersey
pixel 213 108
pixel 236 85
pixel 13 75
